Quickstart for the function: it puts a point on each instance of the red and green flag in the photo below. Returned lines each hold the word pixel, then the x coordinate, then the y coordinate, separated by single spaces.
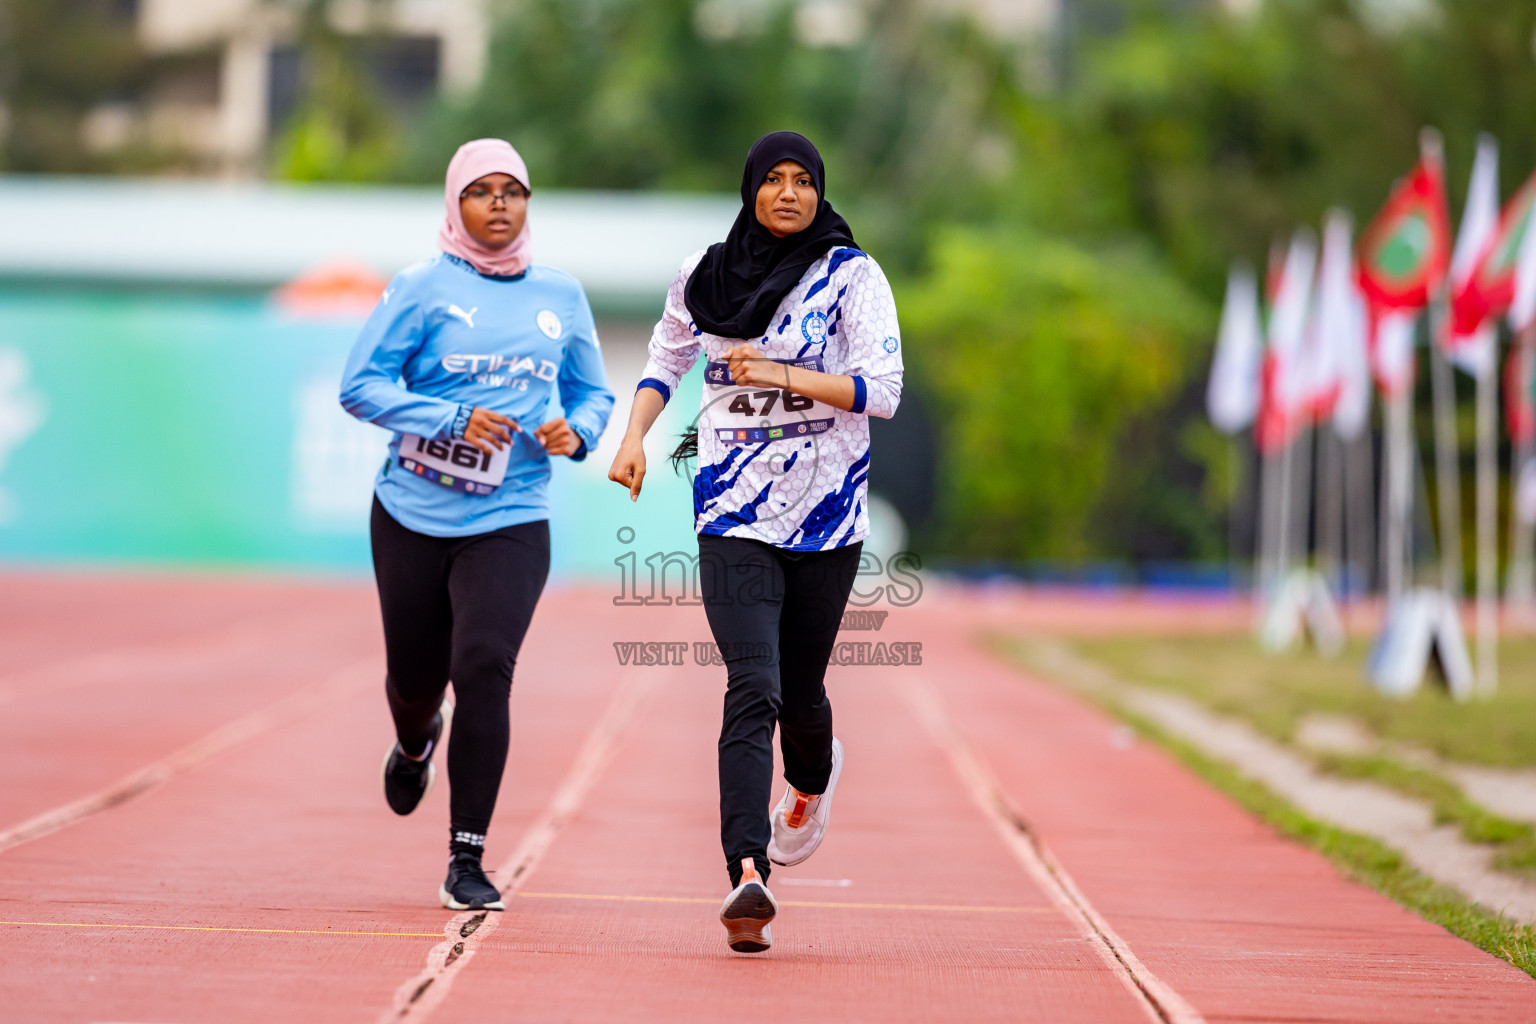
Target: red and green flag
pixel 1490 289
pixel 1404 253
pixel 1403 257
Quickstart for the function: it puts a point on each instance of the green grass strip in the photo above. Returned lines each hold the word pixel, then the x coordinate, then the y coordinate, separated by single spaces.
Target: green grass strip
pixel 1514 840
pixel 1359 857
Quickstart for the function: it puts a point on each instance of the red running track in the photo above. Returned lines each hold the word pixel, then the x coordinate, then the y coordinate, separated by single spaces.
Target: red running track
pixel 193 831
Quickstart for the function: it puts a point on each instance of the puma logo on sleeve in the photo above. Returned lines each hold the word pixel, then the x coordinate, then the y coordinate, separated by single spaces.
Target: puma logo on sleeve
pixel 468 318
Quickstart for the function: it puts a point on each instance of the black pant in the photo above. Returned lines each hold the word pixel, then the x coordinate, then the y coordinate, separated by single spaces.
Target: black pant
pixel 774 614
pixel 457 608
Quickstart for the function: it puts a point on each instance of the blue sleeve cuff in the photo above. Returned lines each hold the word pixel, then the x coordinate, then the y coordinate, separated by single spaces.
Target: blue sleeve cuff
pixel 658 386
pixel 581 452
pixel 461 420
pixel 860 394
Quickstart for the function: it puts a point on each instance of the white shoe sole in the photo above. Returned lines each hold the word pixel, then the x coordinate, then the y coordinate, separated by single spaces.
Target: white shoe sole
pixel 747 913
pixel 776 855
pixel 446 899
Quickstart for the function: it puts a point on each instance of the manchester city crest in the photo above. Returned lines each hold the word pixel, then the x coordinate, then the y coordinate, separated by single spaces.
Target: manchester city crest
pixel 549 322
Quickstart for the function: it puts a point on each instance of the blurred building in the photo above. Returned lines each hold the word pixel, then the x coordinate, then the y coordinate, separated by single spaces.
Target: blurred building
pixel 226 73
pixel 1010 18
pixel 843 22
pixel 221 78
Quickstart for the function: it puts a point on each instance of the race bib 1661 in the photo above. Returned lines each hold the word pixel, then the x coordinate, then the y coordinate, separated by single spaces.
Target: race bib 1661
pixel 456 464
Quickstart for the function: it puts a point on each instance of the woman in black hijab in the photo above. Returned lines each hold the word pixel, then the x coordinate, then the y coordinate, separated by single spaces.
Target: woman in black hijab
pixel 799 329
pixel 739 283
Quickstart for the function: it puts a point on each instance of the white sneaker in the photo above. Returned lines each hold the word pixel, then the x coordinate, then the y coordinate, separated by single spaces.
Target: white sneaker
pixel 800 820
pixel 748 911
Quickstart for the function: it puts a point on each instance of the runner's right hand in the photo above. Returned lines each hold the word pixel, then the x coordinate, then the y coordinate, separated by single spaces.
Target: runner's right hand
pixel 487 429
pixel 629 466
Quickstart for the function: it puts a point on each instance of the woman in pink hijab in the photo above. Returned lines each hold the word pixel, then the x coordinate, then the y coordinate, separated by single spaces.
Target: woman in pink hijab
pixel 462 359
pixel 493 241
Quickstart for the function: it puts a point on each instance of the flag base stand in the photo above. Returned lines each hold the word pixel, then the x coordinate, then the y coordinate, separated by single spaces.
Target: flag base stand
pixel 1302 605
pixel 1422 631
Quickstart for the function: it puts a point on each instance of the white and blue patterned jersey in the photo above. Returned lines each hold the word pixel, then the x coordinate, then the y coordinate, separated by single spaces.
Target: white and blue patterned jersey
pixel 774 466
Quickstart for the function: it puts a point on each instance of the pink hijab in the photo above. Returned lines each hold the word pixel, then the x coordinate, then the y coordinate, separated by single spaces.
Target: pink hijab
pixel 473 161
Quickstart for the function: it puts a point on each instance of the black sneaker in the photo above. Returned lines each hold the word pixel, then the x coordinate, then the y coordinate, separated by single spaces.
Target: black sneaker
pixel 406 780
pixel 467 888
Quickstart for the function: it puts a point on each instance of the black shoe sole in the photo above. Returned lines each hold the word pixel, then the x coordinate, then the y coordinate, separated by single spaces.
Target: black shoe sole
pixel 746 919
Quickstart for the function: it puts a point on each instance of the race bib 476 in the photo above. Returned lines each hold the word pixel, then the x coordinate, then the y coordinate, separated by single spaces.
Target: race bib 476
pixel 750 415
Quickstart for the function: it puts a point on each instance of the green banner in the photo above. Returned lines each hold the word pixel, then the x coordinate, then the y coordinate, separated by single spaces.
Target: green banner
pixel 204 430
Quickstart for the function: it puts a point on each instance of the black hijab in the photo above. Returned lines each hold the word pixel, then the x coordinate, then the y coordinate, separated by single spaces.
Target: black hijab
pixel 741 281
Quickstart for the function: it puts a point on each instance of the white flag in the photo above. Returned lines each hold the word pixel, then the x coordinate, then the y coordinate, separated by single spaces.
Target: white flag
pixel 1474 353
pixel 1232 394
pixel 1343 374
pixel 1523 313
pixel 1392 350
pixel 1288 326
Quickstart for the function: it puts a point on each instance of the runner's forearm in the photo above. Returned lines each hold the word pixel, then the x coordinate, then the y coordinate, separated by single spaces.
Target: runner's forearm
pixel 836 389
pixel 642 414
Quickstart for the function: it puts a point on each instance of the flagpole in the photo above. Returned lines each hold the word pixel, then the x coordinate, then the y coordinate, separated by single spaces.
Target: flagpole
pixel 1330 508
pixel 1443 397
pixel 1304 494
pixel 1488 525
pixel 1269 511
pixel 1233 490
pixel 1447 467
pixel 1399 488
pixel 1521 592
pixel 1359 507
pixel 1283 528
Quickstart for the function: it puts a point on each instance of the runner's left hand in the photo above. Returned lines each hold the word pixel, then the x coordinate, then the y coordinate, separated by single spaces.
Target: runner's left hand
pixel 750 368
pixel 557 437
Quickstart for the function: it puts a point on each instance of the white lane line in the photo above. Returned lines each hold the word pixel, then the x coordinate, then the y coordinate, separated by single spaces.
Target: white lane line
pixel 1156 997
pixel 419 995
pixel 157 773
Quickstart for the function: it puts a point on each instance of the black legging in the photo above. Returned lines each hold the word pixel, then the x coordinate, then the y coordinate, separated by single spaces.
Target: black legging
pixel 457 608
pixel 774 614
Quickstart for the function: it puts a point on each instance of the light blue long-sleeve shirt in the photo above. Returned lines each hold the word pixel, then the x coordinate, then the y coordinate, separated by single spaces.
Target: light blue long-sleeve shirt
pixel 444 339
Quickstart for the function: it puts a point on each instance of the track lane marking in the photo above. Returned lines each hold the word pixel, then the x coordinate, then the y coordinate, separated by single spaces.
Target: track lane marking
pixel 1156 997
pixel 577 896
pixel 422 993
pixel 157 773
pixel 715 901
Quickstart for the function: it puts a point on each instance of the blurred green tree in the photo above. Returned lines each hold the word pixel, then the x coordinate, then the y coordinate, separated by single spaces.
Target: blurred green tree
pixel 342 129
pixel 1039 354
pixel 639 94
pixel 1213 133
pixel 1059 213
pixel 59 59
pixel 1051 358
